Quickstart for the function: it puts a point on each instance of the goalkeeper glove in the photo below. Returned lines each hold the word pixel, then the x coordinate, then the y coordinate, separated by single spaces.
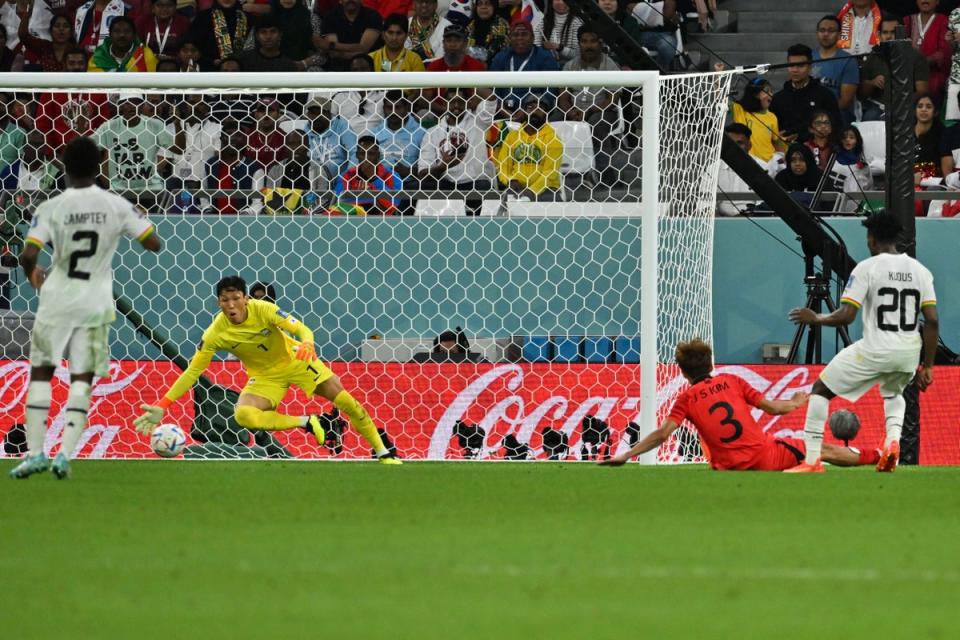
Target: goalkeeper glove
pixel 151 417
pixel 305 351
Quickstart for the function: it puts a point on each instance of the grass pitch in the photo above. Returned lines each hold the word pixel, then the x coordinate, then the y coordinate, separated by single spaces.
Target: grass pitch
pixel 213 550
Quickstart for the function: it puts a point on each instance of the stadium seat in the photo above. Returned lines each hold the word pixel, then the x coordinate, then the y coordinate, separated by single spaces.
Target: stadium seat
pixel 567 349
pixel 874 144
pixel 441 207
pixel 567 209
pixel 577 146
pixel 597 350
pixel 292 125
pixel 537 349
pixel 627 350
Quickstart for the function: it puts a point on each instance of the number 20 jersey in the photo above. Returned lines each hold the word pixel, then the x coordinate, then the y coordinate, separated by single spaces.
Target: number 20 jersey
pixel 891 289
pixel 720 408
pixel 84 226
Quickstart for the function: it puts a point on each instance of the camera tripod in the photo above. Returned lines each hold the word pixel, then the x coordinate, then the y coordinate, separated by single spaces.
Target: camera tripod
pixel 818 295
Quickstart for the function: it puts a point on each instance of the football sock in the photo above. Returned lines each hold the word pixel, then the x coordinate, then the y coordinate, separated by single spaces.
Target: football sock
pixel 817 409
pixel 360 420
pixel 38 408
pixel 893 410
pixel 252 418
pixel 869 457
pixel 78 403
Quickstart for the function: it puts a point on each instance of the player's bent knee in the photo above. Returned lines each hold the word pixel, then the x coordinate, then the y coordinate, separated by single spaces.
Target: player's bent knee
pixel 821 389
pixel 246 416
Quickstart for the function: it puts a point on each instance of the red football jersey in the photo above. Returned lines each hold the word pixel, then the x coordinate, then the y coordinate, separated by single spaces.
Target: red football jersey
pixel 719 408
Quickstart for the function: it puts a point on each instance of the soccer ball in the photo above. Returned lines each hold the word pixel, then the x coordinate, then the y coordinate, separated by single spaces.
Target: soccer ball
pixel 844 425
pixel 168 440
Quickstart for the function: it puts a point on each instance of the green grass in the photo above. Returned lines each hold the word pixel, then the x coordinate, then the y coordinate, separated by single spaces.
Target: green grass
pixel 325 550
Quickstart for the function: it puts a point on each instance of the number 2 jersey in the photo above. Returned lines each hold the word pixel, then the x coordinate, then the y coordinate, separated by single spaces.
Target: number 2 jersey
pixel 719 407
pixel 84 226
pixel 891 289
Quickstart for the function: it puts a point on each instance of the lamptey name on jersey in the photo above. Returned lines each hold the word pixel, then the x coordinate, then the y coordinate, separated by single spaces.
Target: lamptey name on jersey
pixel 92 217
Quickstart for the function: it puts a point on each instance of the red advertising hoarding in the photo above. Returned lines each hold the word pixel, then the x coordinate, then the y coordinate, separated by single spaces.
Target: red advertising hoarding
pixel 419 405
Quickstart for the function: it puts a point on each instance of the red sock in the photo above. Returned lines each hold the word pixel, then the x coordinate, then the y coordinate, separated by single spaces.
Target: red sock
pixel 869 456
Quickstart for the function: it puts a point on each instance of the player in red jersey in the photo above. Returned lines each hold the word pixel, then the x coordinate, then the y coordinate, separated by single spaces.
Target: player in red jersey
pixel 719 408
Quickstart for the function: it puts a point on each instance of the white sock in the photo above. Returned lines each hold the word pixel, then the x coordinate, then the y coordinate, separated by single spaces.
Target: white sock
pixel 817 409
pixel 893 410
pixel 78 403
pixel 38 408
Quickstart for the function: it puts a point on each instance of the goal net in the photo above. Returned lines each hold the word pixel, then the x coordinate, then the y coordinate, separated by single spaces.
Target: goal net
pixel 496 265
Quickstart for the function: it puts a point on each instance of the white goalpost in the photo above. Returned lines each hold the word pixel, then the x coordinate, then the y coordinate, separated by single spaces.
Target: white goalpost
pixel 574 253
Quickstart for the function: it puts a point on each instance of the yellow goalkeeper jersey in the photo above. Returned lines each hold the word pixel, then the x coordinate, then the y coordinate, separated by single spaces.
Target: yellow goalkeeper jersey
pixel 263 343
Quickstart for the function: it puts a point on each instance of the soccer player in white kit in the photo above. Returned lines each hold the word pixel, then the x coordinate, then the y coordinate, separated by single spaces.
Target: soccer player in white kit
pixel 894 290
pixel 84 224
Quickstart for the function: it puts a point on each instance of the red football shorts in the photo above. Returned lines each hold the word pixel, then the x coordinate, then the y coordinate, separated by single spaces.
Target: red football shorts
pixel 781 454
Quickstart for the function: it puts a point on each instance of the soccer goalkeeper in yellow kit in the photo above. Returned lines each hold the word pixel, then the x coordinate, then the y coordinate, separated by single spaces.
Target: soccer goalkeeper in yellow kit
pixel 259 334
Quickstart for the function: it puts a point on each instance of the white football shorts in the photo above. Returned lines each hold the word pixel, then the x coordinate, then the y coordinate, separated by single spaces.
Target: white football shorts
pixel 86 348
pixel 854 371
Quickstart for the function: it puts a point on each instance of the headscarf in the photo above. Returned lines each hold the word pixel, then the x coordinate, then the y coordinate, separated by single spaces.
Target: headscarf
pixel 297 31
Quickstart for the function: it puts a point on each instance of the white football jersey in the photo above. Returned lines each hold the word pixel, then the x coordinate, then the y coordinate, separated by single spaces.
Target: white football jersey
pixel 84 226
pixel 891 289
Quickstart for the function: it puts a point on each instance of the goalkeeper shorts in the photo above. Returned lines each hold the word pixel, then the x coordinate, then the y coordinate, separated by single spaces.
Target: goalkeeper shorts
pixel 273 386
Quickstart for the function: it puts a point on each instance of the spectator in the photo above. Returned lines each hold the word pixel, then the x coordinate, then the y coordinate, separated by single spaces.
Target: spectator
pixel 820 138
pixel 162 29
pixel 268 54
pixel 132 145
pixel 928 31
pixel 801 95
pixel 399 135
pixel 291 186
pixel 122 51
pixel 522 55
pixel 202 142
pixel 188 56
pixel 362 109
pixel 851 165
pixel 263 291
pixel 49 54
pixel 33 171
pixel 370 174
pixel 557 31
pixel 595 105
pixel 450 346
pixel 487 32
pixel 168 65
pixel 329 138
pixel 265 144
pixel 528 163
pixel 91 23
pixel 63 116
pixel 929 131
pixel 234 172
pixel 875 72
pixel 859 26
pixel 222 30
pixel 455 56
pixel 618 13
pixel 394 56
pixel 728 181
pixel 10 60
pixel 230 64
pixel 426 30
pixel 840 74
pixel 801 173
pixel 293 19
pixel 454 153
pixel 753 111
pixel 658 28
pixel 349 30
pixel 12 136
pixel 391 7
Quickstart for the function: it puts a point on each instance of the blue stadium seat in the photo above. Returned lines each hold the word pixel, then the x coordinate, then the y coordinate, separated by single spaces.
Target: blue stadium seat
pixel 597 350
pixel 627 350
pixel 567 349
pixel 537 349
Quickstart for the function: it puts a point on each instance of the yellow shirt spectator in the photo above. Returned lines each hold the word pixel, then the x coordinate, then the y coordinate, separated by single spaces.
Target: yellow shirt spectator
pixel 764 131
pixel 531 158
pixel 406 61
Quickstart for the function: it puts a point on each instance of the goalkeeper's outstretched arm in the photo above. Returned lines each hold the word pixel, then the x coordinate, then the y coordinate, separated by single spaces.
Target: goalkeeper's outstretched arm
pixel 153 414
pixel 652 441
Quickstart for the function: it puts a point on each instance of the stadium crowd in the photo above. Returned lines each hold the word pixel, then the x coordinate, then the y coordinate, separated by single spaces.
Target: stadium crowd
pixel 825 126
